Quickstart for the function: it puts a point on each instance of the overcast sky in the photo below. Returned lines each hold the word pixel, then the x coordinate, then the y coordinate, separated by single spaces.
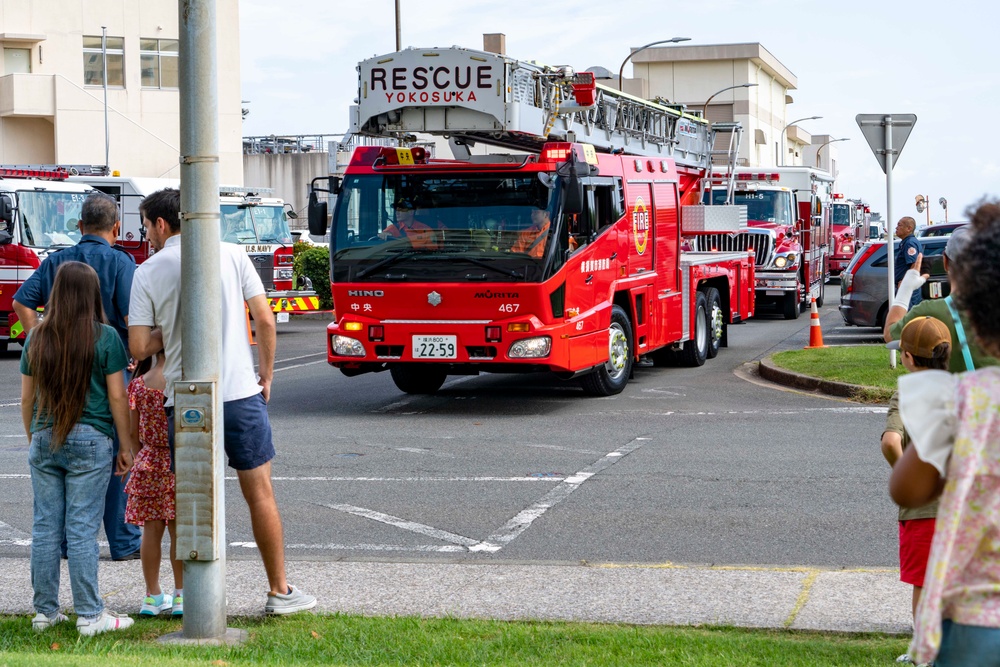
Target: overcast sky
pixel 938 60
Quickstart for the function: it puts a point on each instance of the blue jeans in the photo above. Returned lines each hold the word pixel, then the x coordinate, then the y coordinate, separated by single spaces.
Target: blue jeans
pixel 123 538
pixel 68 487
pixel 968 645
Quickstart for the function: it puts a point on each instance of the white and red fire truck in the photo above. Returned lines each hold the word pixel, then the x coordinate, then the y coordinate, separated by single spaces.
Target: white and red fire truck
pixel 249 217
pixel 563 258
pixel 789 231
pixel 39 214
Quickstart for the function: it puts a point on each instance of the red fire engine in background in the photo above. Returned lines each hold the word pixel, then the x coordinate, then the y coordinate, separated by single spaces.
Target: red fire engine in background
pixel 844 226
pixel 39 214
pixel 563 258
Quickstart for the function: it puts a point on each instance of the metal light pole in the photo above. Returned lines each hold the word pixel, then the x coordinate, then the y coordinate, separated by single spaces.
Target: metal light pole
pixel 107 136
pixel 781 162
pixel 704 110
pixel 944 204
pixel 832 141
pixel 672 40
pixel 399 33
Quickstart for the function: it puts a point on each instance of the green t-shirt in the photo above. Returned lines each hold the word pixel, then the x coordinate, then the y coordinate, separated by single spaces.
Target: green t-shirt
pixel 109 358
pixel 939 309
pixel 894 424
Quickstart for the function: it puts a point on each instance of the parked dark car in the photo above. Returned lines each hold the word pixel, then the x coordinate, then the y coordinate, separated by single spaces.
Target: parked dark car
pixel 864 286
pixel 939 229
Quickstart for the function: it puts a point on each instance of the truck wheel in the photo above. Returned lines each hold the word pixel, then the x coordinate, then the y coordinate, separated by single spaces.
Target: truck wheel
pixel 791 305
pixel 819 299
pixel 3 346
pixel 610 378
pixel 417 378
pixel 695 351
pixel 716 322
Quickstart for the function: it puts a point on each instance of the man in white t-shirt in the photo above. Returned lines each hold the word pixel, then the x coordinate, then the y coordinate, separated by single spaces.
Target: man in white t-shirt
pixel 156 304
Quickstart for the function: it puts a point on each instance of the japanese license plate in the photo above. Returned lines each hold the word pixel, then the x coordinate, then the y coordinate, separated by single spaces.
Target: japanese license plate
pixel 282 317
pixel 773 292
pixel 435 347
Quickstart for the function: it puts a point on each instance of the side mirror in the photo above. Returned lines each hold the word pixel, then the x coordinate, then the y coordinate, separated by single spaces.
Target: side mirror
pixel 5 237
pixel 317 215
pixel 6 209
pixel 573 196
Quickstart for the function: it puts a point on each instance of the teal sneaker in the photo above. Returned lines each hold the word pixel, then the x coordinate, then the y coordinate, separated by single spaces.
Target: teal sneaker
pixel 153 605
pixel 178 609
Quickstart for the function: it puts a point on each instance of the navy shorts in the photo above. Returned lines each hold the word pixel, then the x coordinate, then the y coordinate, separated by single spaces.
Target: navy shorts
pixel 246 432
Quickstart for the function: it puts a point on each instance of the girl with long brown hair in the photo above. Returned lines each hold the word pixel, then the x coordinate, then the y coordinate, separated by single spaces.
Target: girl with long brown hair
pixel 72 400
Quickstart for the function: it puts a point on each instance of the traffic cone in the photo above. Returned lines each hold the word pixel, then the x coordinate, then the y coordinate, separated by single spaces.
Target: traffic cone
pixel 815 332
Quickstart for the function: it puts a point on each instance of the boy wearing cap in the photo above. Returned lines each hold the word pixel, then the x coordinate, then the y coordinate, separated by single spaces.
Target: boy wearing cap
pixel 925 343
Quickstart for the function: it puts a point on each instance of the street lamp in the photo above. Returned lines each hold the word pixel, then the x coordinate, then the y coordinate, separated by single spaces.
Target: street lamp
pixel 704 111
pixel 672 40
pixel 781 162
pixel 832 141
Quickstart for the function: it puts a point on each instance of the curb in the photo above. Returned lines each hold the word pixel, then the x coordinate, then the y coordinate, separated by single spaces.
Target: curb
pixel 769 371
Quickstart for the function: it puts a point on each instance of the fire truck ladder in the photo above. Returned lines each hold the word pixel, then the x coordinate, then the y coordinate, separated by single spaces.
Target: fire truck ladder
pixel 728 135
pixel 530 104
pixel 51 171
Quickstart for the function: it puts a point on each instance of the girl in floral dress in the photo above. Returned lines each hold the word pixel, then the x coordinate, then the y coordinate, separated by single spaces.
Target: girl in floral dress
pixel 150 488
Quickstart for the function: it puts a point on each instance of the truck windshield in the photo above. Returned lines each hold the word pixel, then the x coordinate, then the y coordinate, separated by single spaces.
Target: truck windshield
pixel 840 214
pixel 443 227
pixel 249 224
pixel 49 219
pixel 772 206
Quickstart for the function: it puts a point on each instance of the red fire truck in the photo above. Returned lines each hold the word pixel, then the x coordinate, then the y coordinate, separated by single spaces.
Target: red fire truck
pixel 39 214
pixel 789 231
pixel 844 226
pixel 563 258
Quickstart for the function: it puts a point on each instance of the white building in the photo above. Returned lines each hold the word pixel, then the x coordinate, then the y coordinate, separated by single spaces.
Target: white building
pixel 694 75
pixel 52 108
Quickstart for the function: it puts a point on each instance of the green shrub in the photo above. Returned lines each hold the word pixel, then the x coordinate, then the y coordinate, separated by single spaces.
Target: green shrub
pixel 314 263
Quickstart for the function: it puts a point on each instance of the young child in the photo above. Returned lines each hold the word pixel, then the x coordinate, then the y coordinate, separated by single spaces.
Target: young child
pixel 925 344
pixel 150 489
pixel 955 425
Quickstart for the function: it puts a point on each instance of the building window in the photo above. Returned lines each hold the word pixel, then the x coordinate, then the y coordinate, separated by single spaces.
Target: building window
pixel 158 61
pixel 93 61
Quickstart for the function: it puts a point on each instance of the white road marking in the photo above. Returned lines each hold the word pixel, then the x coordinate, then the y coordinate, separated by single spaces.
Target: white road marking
pixel 517 525
pixel 564 449
pixel 557 478
pixel 11 535
pixel 860 409
pixel 10 405
pixel 288 368
pixel 404 524
pixel 424 548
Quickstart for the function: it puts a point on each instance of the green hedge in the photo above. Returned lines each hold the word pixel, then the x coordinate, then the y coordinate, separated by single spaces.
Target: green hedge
pixel 314 263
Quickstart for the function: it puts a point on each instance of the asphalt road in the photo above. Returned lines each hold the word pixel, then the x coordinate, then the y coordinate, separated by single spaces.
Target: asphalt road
pixel 699 466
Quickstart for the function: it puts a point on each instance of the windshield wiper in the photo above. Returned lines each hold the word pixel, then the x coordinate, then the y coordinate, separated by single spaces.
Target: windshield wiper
pixel 389 261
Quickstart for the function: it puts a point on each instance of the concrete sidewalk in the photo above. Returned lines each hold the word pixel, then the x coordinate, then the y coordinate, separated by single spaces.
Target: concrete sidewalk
pixel 863 600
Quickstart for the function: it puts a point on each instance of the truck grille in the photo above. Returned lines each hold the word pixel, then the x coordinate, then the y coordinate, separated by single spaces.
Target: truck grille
pixel 761 241
pixel 264 263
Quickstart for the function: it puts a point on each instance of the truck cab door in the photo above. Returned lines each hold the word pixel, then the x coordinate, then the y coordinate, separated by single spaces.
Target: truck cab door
pixel 639 242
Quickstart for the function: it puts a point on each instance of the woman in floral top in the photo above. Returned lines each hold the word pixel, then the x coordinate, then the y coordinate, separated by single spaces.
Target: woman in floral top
pixel 150 488
pixel 954 421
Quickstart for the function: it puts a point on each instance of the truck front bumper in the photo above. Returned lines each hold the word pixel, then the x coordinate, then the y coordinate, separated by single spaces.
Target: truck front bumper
pixel 775 282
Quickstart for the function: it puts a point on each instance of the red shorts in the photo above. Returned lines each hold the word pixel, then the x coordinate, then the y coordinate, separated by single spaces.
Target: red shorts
pixel 915 537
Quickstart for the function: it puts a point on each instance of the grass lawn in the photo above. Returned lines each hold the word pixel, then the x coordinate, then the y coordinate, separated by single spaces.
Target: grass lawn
pixel 335 640
pixel 865 365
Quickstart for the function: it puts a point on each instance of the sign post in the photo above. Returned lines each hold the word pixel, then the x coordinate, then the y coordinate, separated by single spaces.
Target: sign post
pixel 886 134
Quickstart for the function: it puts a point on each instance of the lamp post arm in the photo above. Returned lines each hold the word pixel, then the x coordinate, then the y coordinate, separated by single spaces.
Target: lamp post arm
pixel 621 70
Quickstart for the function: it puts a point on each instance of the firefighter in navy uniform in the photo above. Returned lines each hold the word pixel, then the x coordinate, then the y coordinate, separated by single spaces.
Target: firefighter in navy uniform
pixel 906 254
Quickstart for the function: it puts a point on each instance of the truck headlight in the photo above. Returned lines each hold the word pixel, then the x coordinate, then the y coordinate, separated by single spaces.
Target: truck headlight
pixel 346 346
pixel 785 261
pixel 530 348
pixel 846 248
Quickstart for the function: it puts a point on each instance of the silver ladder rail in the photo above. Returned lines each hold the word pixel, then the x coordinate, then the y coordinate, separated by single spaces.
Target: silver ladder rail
pixel 729 155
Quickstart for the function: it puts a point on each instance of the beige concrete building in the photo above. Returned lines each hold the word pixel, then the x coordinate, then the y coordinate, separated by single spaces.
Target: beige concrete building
pixel 694 75
pixel 52 107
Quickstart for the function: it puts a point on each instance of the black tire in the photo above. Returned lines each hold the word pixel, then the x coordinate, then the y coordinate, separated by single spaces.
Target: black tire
pixel 791 305
pixel 418 378
pixel 695 351
pixel 611 377
pixel 716 322
pixel 819 299
pixel 3 346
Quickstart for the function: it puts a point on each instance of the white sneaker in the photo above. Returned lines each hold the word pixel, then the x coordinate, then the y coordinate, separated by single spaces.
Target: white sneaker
pixel 905 659
pixel 152 605
pixel 106 622
pixel 42 622
pixel 294 601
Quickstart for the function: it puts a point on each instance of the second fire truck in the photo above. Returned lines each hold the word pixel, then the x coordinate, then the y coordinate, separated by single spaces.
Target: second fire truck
pixel 565 257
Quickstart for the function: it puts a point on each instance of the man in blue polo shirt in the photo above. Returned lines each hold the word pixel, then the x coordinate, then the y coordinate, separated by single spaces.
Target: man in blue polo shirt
pixel 906 254
pixel 99 224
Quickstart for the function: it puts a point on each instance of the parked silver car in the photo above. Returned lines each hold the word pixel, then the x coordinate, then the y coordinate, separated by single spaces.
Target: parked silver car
pixel 864 287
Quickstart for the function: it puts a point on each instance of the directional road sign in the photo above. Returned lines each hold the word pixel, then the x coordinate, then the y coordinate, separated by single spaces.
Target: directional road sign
pixel 873 127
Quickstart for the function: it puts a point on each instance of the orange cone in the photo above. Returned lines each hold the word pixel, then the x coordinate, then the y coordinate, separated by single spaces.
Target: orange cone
pixel 815 332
